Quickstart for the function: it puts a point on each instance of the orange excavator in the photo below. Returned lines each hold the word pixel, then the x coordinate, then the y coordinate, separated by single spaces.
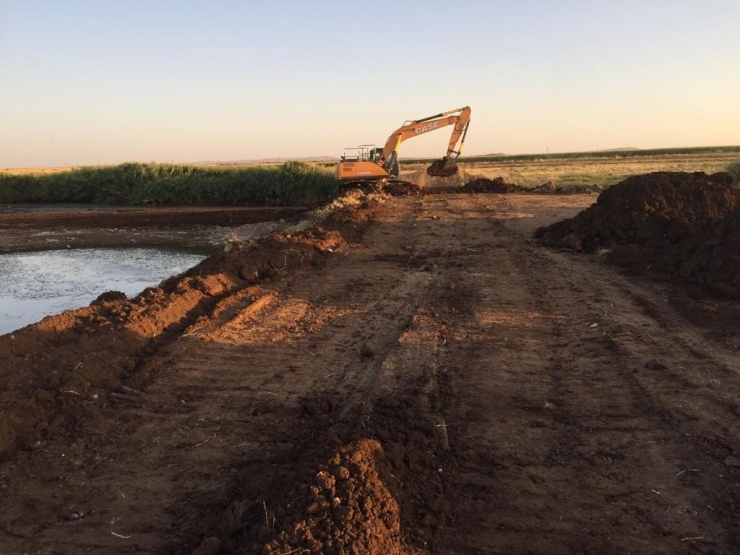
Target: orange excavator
pixel 368 163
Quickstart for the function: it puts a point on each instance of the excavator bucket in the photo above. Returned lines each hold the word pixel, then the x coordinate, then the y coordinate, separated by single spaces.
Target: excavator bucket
pixel 445 167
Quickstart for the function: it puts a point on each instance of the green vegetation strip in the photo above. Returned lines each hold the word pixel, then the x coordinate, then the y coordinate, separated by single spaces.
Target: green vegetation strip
pixel 291 183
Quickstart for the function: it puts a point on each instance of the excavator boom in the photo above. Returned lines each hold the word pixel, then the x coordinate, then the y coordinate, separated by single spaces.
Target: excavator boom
pixel 371 163
pixel 460 118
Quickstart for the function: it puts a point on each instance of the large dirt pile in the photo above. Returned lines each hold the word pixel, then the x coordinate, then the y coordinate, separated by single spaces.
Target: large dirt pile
pixel 649 210
pixel 713 260
pixel 678 223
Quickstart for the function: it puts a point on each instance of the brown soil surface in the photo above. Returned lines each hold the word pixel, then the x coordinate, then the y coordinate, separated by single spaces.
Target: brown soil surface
pixel 45 227
pixel 413 376
pixel 665 223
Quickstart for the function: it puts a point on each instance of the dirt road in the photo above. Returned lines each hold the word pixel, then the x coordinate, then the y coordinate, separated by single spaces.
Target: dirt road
pixel 439 384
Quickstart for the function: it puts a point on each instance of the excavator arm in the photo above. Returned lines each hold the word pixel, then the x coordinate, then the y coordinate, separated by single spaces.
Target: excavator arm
pixel 445 167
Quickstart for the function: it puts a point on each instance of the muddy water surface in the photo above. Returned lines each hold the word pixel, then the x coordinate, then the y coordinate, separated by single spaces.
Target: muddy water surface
pixel 34 285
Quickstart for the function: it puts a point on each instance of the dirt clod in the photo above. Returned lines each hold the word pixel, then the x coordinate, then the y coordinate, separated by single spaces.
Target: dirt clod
pixel 341 473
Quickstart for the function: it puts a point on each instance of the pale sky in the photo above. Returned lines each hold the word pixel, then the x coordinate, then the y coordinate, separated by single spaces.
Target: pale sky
pixel 101 82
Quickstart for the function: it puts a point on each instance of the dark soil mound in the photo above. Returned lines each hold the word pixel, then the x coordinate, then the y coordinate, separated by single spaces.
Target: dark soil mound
pixel 483 185
pixel 400 188
pixel 685 225
pixel 713 260
pixel 650 210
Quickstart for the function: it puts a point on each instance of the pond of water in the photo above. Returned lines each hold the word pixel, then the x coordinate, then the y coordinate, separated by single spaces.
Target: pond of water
pixel 38 284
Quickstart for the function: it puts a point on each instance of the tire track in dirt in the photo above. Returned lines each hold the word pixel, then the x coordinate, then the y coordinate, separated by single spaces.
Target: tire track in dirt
pixel 571 420
pixel 378 355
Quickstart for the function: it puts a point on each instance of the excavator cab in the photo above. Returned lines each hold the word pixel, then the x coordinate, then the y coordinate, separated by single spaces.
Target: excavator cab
pixel 376 154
